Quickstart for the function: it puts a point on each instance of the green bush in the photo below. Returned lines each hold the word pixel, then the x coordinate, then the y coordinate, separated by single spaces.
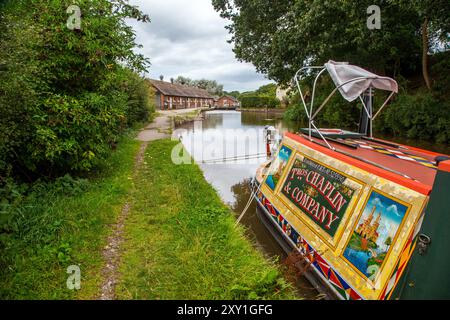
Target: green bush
pixel 259 102
pixel 295 112
pixel 422 116
pixel 66 95
pixel 50 224
pixel 440 72
pixel 140 99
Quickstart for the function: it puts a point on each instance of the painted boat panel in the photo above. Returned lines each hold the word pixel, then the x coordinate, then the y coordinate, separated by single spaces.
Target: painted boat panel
pixel 371 216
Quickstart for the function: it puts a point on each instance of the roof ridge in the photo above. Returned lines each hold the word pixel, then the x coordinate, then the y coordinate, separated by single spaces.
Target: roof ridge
pixel 229 96
pixel 180 90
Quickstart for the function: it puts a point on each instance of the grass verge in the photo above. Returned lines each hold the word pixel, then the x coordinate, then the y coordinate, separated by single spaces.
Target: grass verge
pixel 61 224
pixel 181 242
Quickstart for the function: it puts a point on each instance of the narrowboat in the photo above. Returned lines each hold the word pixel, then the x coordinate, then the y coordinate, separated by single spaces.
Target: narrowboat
pixel 369 216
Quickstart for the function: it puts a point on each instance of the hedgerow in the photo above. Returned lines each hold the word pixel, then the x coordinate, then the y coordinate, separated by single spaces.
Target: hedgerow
pixel 259 102
pixel 66 95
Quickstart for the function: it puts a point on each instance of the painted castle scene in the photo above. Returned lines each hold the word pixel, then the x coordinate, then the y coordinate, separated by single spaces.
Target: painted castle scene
pixel 374 234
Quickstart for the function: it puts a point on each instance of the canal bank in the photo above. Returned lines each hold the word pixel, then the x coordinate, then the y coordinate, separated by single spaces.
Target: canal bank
pixel 141 227
pixel 263 110
pixel 181 241
pixel 164 122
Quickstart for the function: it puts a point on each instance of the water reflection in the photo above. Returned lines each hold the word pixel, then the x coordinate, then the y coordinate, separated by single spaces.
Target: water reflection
pixel 273 119
pixel 233 136
pixel 259 231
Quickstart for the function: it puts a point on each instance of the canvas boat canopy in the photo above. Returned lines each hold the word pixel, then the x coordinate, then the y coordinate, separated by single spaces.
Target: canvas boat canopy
pixel 353 81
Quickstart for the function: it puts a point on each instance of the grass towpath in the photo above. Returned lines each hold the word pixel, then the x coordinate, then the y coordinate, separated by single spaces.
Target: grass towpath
pixel 172 237
pixel 181 242
pixel 62 224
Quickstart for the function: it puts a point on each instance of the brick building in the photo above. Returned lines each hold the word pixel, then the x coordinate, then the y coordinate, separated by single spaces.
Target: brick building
pixel 177 96
pixel 227 102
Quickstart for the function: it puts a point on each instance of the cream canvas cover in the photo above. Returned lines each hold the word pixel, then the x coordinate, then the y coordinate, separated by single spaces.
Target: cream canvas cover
pixel 342 72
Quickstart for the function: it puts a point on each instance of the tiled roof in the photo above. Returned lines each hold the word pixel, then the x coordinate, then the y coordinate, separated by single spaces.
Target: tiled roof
pixel 230 97
pixel 179 90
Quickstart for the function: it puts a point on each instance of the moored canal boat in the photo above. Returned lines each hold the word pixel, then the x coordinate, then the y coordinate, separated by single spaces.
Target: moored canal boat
pixel 369 216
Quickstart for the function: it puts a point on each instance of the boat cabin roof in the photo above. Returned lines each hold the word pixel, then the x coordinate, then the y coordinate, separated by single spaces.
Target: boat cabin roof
pixel 412 167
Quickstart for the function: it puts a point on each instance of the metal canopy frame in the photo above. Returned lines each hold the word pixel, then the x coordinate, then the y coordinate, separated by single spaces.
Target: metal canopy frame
pixel 311 116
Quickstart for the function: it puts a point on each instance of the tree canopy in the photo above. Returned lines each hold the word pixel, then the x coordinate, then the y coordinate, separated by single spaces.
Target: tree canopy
pixel 263 97
pixel 66 94
pixel 280 36
pixel 212 86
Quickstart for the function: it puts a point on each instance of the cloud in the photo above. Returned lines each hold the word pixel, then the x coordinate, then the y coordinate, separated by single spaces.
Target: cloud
pixel 393 209
pixel 188 38
pixel 377 202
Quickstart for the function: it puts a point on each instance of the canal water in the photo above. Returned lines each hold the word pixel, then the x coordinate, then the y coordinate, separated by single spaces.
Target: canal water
pixel 229 146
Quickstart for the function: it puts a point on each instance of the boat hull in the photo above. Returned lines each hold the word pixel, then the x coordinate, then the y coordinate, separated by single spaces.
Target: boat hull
pixel 288 246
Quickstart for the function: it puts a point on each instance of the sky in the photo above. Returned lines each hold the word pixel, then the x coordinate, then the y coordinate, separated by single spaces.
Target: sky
pixel 188 38
pixel 392 215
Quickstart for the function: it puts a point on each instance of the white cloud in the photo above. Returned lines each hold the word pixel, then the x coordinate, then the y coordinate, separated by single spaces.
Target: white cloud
pixel 377 202
pixel 393 209
pixel 189 38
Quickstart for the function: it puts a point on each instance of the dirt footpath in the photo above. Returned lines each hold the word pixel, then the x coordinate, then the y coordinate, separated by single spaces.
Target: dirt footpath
pixel 160 128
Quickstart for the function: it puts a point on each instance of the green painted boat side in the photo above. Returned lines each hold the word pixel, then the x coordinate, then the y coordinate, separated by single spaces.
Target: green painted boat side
pixel 426 276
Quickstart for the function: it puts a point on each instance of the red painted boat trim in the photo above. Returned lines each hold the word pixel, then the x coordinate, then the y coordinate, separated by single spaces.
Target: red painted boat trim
pixel 411 184
pixel 444 166
pixel 427 152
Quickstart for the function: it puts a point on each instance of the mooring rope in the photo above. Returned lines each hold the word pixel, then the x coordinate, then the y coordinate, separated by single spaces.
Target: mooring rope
pixel 252 196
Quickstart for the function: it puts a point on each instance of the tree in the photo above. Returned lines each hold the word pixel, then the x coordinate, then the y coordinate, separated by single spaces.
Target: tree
pixel 235 94
pixel 280 36
pixel 264 96
pixel 184 81
pixel 67 94
pixel 267 90
pixel 435 26
pixel 388 242
pixel 209 85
